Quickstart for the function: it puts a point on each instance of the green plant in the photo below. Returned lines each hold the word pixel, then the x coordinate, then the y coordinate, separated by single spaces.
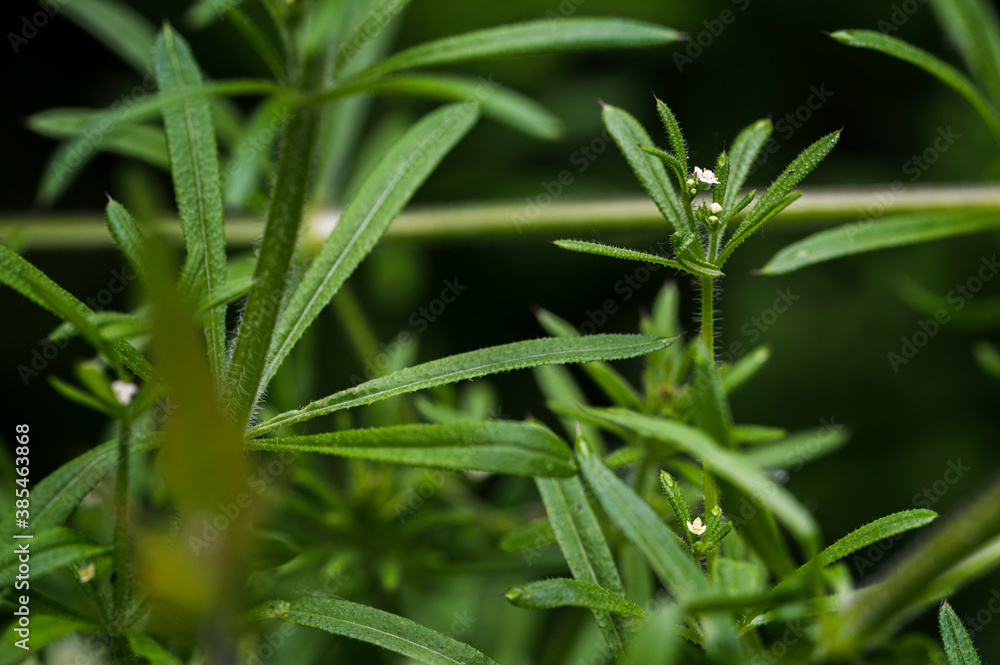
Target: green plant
pixel 195 568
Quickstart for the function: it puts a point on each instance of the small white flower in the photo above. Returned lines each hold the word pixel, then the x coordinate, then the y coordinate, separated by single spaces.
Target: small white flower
pixel 86 573
pixel 124 391
pixel 715 208
pixel 696 527
pixel 706 176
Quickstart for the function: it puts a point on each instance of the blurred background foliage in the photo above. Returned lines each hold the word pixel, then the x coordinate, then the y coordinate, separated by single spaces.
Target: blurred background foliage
pixel 830 347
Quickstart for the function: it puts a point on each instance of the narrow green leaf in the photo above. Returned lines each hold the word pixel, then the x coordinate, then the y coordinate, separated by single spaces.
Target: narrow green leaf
pixel 74 394
pixel 893 232
pixel 542 36
pixel 673 129
pixel 793 174
pixel 745 368
pixel 33 284
pixel 629 135
pixel 957 643
pixel 735 468
pixel 880 529
pixel 55 497
pixel 51 550
pixel 194 166
pixel 370 25
pixel 142 142
pixel 531 536
pixel 384 193
pixel 103 126
pixel 503 105
pixel 616 252
pixel 367 624
pixel 745 149
pixel 942 71
pixel 471 365
pixel 230 291
pixel 514 448
pixel 678 502
pixel 128 236
pixel 123 30
pixel 797 449
pixel 146 647
pixel 974 28
pixel 780 195
pixel 754 434
pixel 981 315
pixel 258 41
pixel 584 547
pixel 45 629
pixel 552 593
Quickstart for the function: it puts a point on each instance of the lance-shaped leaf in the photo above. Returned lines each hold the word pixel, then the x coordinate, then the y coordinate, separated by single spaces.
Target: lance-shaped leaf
pixel 745 149
pixel 531 536
pixel 957 643
pixel 586 247
pixel 507 106
pixel 584 547
pixel 673 129
pixel 745 368
pixel 383 194
pixel 33 284
pixel 873 532
pixel 514 448
pixel 57 495
pixel 735 468
pixel 45 629
pixel 795 450
pixel 941 70
pixel 370 25
pixel 50 550
pixel 549 594
pixel 367 624
pixel 629 135
pixel 542 36
pixel 128 236
pixel 116 25
pixel 974 28
pixel 783 185
pixel 194 165
pixel 472 365
pixel 103 126
pixel 870 236
pixel 142 142
pixel 145 646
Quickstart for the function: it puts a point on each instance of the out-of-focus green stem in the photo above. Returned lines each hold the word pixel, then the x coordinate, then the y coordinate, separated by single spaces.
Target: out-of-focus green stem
pixel 873 610
pixel 122 566
pixel 817 207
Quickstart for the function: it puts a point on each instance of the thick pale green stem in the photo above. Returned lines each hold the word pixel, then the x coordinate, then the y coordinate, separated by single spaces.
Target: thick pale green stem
pixel 485 219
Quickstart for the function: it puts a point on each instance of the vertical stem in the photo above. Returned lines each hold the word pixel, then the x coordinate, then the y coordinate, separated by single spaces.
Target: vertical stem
pixel 123 572
pixel 711 490
pixel 708 314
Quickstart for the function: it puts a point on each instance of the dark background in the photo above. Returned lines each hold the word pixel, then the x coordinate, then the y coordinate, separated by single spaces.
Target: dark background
pixel 830 348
